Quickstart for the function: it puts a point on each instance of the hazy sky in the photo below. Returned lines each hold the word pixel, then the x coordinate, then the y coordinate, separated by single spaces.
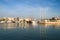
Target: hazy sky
pixel 29 8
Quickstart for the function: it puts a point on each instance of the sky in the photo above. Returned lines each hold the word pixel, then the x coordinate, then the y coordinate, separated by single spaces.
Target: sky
pixel 30 8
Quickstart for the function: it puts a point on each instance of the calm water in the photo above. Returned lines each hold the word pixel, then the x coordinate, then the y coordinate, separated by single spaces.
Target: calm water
pixel 29 32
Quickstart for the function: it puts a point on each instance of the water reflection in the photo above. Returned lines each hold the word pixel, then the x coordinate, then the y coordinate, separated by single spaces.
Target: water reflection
pixel 49 31
pixel 29 31
pixel 25 25
pixel 50 25
pixel 14 25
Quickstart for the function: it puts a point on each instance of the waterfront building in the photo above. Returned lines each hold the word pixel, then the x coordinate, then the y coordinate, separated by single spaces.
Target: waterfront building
pixel 2 21
pixel 53 20
pixel 28 20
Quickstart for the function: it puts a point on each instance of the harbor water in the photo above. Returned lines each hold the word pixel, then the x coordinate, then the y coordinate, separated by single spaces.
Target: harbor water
pixel 21 31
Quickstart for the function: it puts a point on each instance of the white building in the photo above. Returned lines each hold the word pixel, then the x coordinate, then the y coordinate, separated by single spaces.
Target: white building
pixel 28 19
